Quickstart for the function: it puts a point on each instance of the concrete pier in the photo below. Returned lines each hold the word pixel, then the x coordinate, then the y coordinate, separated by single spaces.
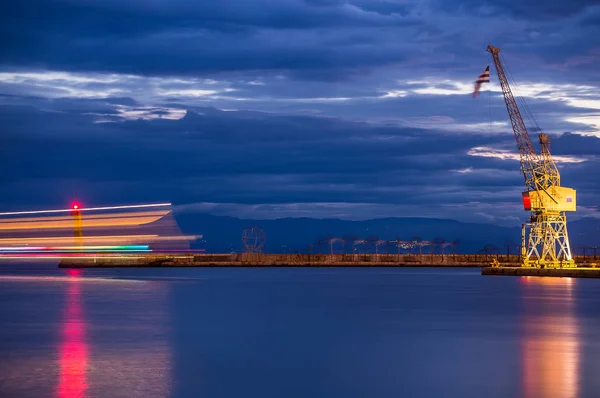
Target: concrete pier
pixel 578 272
pixel 280 260
pixel 306 260
pixel 176 264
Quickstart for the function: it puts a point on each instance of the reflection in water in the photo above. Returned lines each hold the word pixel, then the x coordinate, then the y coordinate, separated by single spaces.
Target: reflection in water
pixel 73 347
pixel 550 343
pixel 119 347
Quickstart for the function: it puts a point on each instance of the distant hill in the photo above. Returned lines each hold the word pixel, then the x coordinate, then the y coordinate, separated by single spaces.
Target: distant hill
pixel 223 234
pixel 585 232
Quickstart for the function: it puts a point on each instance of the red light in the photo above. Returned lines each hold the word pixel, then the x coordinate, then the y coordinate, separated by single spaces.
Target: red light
pixel 526 201
pixel 75 206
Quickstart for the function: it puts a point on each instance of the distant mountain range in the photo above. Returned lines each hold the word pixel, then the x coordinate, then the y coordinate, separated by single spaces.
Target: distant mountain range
pixel 223 234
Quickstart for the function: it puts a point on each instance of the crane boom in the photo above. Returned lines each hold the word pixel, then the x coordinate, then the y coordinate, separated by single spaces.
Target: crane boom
pixel 539 173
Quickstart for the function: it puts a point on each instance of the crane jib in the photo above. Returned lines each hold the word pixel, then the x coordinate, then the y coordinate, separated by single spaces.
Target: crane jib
pixel 540 171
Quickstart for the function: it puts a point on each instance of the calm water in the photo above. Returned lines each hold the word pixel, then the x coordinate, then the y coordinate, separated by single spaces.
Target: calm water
pixel 295 333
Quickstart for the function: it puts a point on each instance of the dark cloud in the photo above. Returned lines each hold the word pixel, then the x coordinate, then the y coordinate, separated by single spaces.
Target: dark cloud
pixel 549 9
pixel 254 158
pixel 186 37
pixel 92 93
pixel 320 40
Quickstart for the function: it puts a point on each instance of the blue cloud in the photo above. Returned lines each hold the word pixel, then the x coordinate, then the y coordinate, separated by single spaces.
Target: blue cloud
pixel 248 158
pixel 93 94
pixel 310 40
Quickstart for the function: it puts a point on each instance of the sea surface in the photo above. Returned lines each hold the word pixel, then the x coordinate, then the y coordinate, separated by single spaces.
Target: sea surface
pixel 295 332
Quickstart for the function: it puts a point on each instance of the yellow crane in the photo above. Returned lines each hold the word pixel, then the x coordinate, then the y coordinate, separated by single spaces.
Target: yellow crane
pixel 546 232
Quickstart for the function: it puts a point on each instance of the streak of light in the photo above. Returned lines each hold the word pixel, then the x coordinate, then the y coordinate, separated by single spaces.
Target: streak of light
pixel 79 251
pixel 111 221
pixel 76 248
pixel 179 251
pixel 16 213
pixel 60 255
pixel 87 216
pixel 90 239
pixel 28 278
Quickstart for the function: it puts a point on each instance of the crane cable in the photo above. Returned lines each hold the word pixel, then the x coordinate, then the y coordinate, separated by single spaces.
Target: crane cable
pixel 520 99
pixel 490 61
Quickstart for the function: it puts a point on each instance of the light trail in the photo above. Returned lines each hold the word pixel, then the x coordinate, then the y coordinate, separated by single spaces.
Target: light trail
pixel 99 239
pixel 17 213
pixel 70 238
pixel 67 279
pixel 87 217
pixel 60 255
pixel 33 253
pixel 73 248
pixel 102 222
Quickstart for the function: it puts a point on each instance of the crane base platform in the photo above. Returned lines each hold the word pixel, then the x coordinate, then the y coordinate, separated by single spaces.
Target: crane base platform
pixel 578 272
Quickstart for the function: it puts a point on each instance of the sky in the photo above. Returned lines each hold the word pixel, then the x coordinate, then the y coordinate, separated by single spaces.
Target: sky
pixel 293 108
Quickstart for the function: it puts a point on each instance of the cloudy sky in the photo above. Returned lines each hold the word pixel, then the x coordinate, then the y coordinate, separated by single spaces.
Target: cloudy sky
pixel 273 108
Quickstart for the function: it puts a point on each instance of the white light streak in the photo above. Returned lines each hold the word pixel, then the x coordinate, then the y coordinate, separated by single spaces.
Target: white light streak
pixel 17 213
pixel 59 256
pixel 146 238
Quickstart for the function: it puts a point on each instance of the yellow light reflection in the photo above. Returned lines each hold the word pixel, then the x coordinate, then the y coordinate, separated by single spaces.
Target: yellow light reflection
pixel 536 280
pixel 550 346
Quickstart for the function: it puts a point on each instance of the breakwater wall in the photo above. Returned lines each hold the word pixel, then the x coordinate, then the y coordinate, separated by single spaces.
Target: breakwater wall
pixel 579 272
pixel 300 260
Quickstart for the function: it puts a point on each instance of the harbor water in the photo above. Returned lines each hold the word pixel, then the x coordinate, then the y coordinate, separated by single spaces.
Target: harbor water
pixel 295 332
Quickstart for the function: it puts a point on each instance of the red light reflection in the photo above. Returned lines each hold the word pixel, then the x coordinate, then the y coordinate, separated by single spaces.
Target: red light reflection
pixel 73 349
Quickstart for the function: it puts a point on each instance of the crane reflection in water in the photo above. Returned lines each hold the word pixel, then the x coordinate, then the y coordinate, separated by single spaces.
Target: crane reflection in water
pixel 550 344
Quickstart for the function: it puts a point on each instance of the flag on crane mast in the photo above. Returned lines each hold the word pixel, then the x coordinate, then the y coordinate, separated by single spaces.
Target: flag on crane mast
pixel 483 78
